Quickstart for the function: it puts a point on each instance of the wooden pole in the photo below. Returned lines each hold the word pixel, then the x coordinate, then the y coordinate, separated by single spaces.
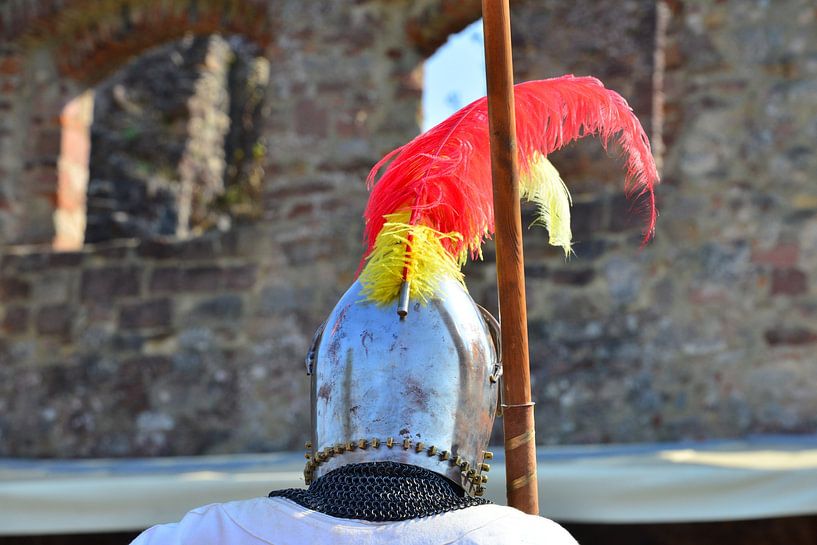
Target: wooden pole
pixel 520 445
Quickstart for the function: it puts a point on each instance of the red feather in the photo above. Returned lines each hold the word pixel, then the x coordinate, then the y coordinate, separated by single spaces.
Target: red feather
pixel 444 175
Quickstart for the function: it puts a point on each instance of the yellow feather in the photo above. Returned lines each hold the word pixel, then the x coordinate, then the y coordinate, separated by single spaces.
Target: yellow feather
pixel 425 264
pixel 417 250
pixel 542 185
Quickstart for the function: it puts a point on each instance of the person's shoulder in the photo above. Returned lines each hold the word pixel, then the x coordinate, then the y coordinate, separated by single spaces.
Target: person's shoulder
pixel 210 523
pixel 514 526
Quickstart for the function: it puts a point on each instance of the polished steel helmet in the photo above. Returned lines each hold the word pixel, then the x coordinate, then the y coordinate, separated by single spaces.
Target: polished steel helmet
pixel 419 389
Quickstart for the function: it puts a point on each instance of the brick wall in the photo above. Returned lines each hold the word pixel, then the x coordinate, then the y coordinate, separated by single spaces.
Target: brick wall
pixel 737 336
pixel 150 347
pixel 140 348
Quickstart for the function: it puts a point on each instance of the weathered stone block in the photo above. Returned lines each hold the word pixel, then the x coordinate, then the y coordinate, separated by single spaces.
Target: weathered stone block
pixel 790 336
pixel 55 320
pixel 165 280
pixel 789 282
pixel 301 252
pixel 143 366
pixel 536 270
pixel 127 341
pixel 52 288
pixel 587 218
pixel 300 210
pixel 199 248
pixel 10 66
pixel 311 118
pixel 14 288
pixel 26 262
pixel 108 283
pixel 623 279
pixel 223 307
pixel 157 249
pixel 781 256
pixel 239 278
pixel 624 214
pixel 592 248
pixel 112 251
pixel 65 259
pixel 99 311
pixel 573 277
pixel 15 320
pixel 47 144
pixel 156 313
pixel 298 188
pixel 201 279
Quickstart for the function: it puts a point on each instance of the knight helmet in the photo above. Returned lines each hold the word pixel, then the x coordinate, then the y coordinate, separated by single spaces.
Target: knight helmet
pixel 420 389
pixel 420 385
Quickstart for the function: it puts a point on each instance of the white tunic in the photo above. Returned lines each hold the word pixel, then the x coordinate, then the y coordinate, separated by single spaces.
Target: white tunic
pixel 278 521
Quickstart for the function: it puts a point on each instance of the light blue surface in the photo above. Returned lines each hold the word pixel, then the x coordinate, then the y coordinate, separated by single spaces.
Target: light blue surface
pixel 454 75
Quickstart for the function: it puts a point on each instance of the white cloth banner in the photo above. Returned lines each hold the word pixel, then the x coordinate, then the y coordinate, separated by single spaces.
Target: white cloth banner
pixel 759 478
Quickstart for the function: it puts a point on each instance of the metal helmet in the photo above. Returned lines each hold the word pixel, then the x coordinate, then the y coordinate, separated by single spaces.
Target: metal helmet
pixel 419 389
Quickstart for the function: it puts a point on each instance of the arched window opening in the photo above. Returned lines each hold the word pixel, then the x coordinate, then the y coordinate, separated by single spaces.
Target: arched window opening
pixel 454 75
pixel 171 145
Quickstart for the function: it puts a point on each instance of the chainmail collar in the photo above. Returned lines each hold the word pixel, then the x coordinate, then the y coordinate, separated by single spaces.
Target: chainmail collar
pixel 379 492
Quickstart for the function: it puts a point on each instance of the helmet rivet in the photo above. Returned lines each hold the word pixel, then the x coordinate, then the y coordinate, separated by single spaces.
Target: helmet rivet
pixel 362 444
pixel 484 478
pixel 443 455
pixel 350 446
pixel 432 450
pixel 307 456
pixel 484 467
pixel 340 448
pixel 376 442
pixel 308 445
pixel 487 454
pixel 390 442
pixel 479 491
pixel 419 446
pixel 458 461
pixel 406 443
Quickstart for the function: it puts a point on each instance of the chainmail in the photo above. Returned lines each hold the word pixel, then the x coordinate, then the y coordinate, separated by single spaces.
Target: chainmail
pixel 379 492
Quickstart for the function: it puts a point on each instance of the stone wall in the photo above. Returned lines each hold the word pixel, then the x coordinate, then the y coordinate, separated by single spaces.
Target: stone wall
pixel 170 347
pixel 145 348
pixel 710 331
pixel 737 260
pixel 182 347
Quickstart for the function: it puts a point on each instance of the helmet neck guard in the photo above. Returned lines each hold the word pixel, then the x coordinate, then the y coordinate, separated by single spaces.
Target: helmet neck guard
pixel 379 492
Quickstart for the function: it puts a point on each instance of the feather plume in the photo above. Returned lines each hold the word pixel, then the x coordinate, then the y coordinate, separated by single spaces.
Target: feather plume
pixel 426 261
pixel 542 185
pixel 441 180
